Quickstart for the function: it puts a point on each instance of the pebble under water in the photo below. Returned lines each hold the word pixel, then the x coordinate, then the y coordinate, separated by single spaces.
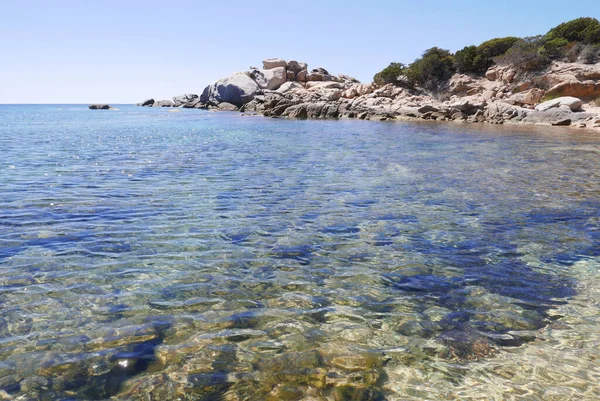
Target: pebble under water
pixel 157 255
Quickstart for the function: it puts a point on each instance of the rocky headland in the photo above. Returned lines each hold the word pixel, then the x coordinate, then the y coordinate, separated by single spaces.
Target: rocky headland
pixel 552 79
pixel 287 89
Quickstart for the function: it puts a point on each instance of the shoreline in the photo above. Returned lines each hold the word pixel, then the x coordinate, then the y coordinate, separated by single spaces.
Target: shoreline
pixel 563 94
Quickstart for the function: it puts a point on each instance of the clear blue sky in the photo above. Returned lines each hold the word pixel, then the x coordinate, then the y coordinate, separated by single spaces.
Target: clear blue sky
pixel 68 51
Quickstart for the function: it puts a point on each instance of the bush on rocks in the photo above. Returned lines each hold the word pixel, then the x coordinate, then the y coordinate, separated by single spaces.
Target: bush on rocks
pixel 390 74
pixel 477 59
pixel 524 54
pixel 432 69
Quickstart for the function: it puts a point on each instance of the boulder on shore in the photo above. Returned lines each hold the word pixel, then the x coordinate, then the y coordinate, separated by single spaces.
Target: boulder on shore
pixel 147 103
pixel 163 103
pixel 182 99
pixel 236 89
pixel 572 102
pixel 227 107
pixel 100 107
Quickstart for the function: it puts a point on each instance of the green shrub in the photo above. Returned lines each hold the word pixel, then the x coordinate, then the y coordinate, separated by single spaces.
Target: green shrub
pixel 434 67
pixel 554 48
pixel 592 36
pixel 524 55
pixel 496 47
pixel 465 59
pixel 477 59
pixel 583 29
pixel 390 74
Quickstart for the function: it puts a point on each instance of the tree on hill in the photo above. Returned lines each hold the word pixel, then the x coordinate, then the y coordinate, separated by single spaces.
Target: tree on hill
pixel 477 59
pixel 433 68
pixel 585 29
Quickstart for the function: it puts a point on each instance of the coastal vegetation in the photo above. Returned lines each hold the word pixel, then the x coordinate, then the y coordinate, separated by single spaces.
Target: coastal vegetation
pixel 550 79
pixel 576 40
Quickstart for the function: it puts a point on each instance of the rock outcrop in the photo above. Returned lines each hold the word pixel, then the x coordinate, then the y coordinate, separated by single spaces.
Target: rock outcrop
pixel 147 102
pixel 237 89
pixel 183 99
pixel 100 107
pixel 504 95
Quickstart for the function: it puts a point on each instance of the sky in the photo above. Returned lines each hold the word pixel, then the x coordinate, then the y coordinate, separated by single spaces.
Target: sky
pixel 125 51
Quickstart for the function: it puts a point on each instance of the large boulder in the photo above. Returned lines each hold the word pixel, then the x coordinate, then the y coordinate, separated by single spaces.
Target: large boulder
pixel 504 74
pixel 320 70
pixel 182 99
pixel 227 107
pixel 301 76
pixel 269 79
pixel 571 102
pixel 236 89
pixel 460 83
pixel 274 63
pixel 498 112
pixel 163 103
pixel 296 66
pixel 556 116
pixel 348 78
pixel 317 76
pixel 324 85
pixel 192 104
pixel 146 103
pixel 288 86
pixel 532 96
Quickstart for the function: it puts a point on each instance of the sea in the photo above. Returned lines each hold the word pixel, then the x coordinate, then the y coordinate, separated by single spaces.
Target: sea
pixel 173 254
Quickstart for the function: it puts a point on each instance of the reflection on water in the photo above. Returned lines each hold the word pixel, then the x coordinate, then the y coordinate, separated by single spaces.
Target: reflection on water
pixel 210 256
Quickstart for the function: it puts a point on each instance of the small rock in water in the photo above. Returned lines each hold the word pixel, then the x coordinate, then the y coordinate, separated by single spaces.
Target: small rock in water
pixel 100 107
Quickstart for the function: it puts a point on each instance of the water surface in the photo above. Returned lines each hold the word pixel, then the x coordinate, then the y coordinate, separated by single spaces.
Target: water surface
pixel 199 255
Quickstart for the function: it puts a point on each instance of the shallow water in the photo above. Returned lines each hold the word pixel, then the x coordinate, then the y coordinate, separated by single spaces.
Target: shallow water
pixel 198 255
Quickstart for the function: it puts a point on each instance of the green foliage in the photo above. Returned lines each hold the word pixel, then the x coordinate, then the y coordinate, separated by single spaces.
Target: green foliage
pixel 435 66
pixel 554 48
pixel 525 55
pixel 477 59
pixel 583 29
pixel 390 74
pixel 467 60
pixel 496 47
pixel 572 40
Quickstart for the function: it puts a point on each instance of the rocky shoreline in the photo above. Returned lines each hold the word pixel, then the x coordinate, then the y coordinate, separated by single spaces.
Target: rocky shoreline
pixel 564 94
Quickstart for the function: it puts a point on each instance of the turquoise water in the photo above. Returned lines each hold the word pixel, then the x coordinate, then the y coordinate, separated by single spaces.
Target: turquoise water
pixel 196 255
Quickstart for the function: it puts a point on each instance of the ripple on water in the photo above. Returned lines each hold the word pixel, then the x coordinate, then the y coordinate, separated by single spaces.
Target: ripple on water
pixel 212 257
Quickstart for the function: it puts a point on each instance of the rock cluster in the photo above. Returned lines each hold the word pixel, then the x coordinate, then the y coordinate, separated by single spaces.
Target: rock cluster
pixel 505 95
